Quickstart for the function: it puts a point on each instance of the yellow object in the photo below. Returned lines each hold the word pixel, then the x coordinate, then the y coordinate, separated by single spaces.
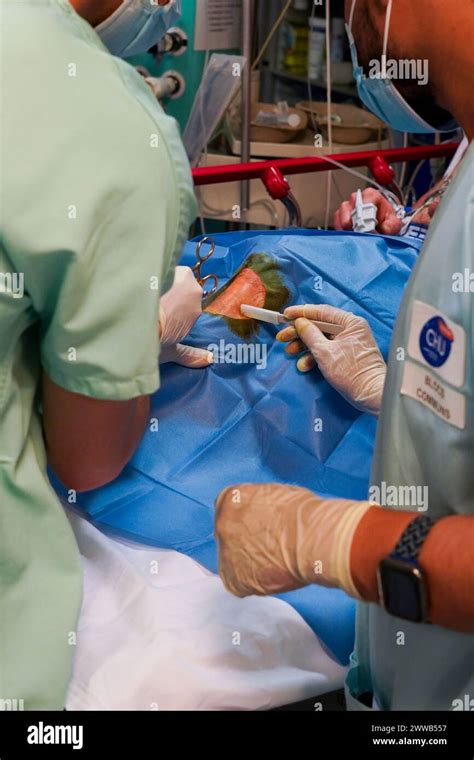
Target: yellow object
pixel 294 40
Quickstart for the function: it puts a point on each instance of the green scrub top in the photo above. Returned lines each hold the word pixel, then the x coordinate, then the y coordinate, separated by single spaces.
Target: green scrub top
pixel 96 201
pixel 426 439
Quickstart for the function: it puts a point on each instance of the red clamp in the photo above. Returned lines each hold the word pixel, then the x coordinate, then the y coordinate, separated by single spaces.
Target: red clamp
pixel 382 172
pixel 277 186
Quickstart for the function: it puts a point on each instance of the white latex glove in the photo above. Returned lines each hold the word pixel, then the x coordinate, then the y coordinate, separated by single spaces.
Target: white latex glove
pixel 351 361
pixel 274 538
pixel 180 308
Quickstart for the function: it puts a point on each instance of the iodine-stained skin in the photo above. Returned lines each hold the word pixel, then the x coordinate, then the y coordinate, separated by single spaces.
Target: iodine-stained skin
pixel 247 287
pixel 258 282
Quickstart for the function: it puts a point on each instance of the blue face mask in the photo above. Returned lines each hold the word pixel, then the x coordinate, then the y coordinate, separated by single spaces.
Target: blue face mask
pixel 138 25
pixel 379 93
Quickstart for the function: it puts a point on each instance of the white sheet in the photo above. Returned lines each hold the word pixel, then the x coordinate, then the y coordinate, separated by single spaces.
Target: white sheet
pixel 159 632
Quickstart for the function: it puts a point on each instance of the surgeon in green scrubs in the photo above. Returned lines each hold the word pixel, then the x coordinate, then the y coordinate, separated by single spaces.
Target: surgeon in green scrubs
pixel 96 202
pixel 407 552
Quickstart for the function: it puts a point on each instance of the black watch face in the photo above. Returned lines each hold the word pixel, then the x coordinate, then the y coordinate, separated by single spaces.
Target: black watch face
pixel 403 590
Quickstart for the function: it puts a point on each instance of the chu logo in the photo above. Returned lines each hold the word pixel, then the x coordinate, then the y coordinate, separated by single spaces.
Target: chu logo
pixel 436 341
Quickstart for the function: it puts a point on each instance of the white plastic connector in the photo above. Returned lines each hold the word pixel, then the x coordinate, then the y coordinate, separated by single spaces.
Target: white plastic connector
pixel 364 216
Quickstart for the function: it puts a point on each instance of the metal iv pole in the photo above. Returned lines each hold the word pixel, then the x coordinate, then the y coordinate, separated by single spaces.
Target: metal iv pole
pixel 246 107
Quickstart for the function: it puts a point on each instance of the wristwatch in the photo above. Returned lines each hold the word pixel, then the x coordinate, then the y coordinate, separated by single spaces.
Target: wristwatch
pixel 401 581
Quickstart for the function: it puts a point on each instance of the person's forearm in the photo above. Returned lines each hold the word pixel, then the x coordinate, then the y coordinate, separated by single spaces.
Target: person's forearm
pixel 446 558
pixel 139 417
pixel 89 441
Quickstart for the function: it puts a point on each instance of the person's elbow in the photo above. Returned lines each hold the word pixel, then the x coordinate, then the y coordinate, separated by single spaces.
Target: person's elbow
pixel 90 441
pixel 80 477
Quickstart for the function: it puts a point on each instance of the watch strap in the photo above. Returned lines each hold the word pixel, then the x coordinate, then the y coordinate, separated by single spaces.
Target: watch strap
pixel 412 539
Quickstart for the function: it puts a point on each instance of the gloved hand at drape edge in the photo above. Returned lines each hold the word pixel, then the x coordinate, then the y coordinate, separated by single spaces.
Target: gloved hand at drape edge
pixel 276 538
pixel 351 361
pixel 180 308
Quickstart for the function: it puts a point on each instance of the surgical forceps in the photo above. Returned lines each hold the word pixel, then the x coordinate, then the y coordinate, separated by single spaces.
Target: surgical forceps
pixel 202 280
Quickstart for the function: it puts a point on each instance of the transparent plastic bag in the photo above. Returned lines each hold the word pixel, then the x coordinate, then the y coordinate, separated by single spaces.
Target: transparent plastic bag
pixel 220 83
